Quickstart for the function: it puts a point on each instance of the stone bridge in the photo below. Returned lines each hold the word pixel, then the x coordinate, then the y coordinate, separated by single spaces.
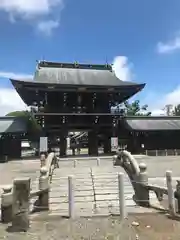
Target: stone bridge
pixel 95 185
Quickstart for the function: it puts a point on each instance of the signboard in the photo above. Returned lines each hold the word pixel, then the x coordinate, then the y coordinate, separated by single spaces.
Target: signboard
pixel 43 144
pixel 114 143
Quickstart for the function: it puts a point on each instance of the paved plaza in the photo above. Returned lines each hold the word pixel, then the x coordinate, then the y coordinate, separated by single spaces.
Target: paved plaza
pixel 19 168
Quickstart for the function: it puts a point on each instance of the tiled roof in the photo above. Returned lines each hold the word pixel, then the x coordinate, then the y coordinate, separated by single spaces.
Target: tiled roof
pixel 12 125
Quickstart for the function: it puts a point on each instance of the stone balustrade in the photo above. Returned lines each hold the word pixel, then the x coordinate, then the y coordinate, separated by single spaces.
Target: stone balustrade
pixel 139 179
pixel 16 199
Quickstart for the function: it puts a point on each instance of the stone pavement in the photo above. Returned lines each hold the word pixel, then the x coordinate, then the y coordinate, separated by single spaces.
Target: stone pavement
pixel 22 168
pixel 96 189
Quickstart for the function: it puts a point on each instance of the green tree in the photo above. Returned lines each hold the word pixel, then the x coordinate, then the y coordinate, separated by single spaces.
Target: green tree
pixel 176 111
pixel 134 109
pixel 33 127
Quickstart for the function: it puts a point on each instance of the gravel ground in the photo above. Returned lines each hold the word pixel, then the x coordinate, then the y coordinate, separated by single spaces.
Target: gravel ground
pixel 21 168
pixel 142 227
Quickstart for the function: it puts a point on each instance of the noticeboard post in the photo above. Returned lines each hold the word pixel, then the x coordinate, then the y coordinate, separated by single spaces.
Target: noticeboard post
pixel 43 145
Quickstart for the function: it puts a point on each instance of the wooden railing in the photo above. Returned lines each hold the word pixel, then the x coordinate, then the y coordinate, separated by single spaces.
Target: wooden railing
pixel 15 204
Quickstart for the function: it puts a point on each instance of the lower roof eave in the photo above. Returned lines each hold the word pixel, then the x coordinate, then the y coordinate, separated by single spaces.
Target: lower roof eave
pixel 30 84
pixel 152 124
pixel 26 88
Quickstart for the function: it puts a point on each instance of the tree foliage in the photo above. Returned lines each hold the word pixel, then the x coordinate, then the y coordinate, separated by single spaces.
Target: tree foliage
pixel 176 111
pixel 134 109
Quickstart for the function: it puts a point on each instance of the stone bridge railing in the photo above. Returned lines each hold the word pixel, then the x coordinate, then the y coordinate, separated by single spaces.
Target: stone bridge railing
pixel 139 179
pixel 15 201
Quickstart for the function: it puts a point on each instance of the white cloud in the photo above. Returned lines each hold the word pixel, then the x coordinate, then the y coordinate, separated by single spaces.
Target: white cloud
pixel 170 46
pixel 173 97
pixel 9 98
pixel 122 68
pixel 158 112
pixel 15 75
pixel 29 8
pixel 160 101
pixel 10 101
pixel 48 26
pixel 33 10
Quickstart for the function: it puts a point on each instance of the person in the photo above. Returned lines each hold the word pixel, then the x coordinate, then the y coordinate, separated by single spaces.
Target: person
pixel 73 146
pixel 78 147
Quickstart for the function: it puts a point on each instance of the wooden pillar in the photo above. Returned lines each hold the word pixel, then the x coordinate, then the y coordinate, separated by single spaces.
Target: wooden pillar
pixel 15 149
pixel 10 148
pixel 107 144
pixel 93 143
pixel 6 146
pixel 1 150
pixel 63 143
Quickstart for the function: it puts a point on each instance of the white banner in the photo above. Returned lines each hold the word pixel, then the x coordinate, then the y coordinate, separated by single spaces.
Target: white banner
pixel 68 142
pixel 43 144
pixel 114 143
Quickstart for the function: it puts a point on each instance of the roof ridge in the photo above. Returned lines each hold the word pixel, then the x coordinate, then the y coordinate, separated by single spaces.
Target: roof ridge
pixel 75 65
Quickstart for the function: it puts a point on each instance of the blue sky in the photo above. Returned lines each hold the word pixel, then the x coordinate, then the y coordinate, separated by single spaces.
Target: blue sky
pixel 142 39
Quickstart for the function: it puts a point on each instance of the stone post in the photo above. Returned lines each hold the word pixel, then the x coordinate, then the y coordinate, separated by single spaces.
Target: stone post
pixel 142 193
pixel 6 204
pixel 171 200
pixel 166 152
pixel 75 163
pixel 43 201
pixel 98 162
pixel 71 196
pixel 175 152
pixel 122 204
pixel 21 193
pixel 43 160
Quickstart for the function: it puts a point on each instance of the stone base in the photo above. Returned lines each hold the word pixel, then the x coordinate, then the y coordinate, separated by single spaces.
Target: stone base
pixel 6 214
pixel 20 222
